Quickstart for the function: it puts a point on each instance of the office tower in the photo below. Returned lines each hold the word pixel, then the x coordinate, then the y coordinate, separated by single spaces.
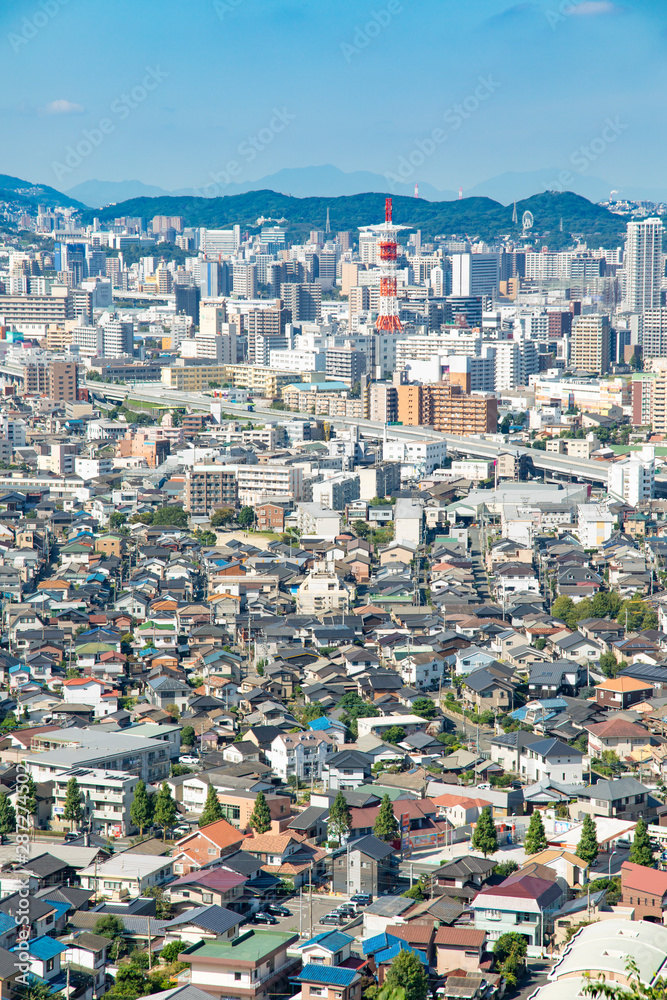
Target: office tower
pixel 216 337
pixel 475 274
pixel 63 380
pixel 266 332
pixel 118 337
pixel 591 344
pixel 220 241
pixel 245 281
pixel 302 302
pixel 466 308
pixel 208 275
pixel 188 301
pixel 643 265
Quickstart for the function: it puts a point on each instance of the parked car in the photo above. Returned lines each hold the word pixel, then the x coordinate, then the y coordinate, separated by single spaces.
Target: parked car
pixel 361 898
pixel 72 835
pixel 278 911
pixel 264 918
pixel 346 910
pixel 188 759
pixel 332 918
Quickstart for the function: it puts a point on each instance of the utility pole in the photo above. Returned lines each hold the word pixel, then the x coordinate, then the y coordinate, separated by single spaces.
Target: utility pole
pixel 300 911
pixel 150 951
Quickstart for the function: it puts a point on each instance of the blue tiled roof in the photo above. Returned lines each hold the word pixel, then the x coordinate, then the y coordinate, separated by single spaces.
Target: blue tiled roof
pixel 44 948
pixel 331 940
pixel 321 723
pixel 378 943
pixel 60 906
pixel 389 954
pixel 328 975
pixel 6 923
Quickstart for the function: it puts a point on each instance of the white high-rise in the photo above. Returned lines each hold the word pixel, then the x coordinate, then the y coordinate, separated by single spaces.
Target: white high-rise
pixel 632 479
pixel 643 265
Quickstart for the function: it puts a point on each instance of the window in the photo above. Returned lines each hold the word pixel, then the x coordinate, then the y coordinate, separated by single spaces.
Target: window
pixel 49 965
pixel 237 977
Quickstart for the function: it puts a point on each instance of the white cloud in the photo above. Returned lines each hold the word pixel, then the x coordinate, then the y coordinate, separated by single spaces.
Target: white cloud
pixel 591 8
pixel 62 107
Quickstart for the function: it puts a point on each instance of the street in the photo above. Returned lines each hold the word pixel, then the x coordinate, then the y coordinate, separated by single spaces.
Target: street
pixel 537 971
pixel 300 914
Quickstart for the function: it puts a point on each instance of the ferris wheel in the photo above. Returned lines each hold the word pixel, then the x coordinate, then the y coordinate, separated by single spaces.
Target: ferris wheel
pixel 527 221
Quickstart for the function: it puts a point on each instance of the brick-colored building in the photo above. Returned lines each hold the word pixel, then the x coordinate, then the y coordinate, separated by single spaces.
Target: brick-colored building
pixel 270 517
pixel 459 948
pixel 645 889
pixel 448 408
pixel 63 380
pixel 622 692
pixel 212 841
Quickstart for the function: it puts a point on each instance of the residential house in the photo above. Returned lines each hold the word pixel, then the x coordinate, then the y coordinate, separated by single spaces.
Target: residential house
pixel 326 982
pixel 645 889
pixel 622 693
pixel 484 692
pixel 209 843
pixel 347 769
pixel 620 798
pixel 251 966
pixel 618 735
pixel 521 904
pixel 547 680
pixel 552 760
pixel 506 749
pixel 459 948
pixel 365 865
pixel 300 755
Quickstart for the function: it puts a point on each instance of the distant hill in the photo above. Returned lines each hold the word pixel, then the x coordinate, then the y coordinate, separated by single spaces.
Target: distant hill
pixel 478 218
pixel 300 182
pixel 25 193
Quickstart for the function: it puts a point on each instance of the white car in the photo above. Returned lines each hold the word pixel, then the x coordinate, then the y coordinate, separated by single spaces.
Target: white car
pixel 188 759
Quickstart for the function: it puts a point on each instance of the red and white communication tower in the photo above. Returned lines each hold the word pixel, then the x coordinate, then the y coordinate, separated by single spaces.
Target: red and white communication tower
pixel 388 312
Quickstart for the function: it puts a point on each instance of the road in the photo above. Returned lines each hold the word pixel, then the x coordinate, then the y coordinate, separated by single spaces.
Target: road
pixel 537 971
pixel 572 468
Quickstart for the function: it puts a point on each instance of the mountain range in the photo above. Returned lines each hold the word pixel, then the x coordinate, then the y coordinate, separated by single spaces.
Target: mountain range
pixel 329 181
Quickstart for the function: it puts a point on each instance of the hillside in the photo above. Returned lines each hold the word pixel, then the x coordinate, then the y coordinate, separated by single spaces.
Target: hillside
pixel 20 192
pixel 475 217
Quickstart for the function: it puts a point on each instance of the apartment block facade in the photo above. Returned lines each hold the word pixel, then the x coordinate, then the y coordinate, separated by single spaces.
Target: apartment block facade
pixel 447 408
pixel 208 487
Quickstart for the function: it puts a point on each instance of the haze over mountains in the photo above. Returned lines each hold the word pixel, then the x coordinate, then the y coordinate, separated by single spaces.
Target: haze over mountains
pixel 329 181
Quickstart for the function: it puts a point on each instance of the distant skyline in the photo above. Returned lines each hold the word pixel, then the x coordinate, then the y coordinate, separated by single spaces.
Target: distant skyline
pixel 225 92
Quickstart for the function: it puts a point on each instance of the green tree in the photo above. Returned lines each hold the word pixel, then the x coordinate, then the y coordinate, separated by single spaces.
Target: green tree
pixel 563 608
pixel 407 973
pixel 212 808
pixel 260 818
pixel 587 848
pixel 109 926
pixel 206 537
pixel 171 951
pixel 141 810
pixel 424 707
pixel 540 642
pixel 536 839
pixel 188 736
pixel 165 809
pixel 221 516
pixel 505 868
pixel 340 817
pixel 246 517
pixel 510 954
pixel 641 852
pixel 394 734
pixel 116 519
pixel 485 837
pixel 355 708
pixel 73 810
pixel 7 815
pixel 37 989
pixel 172 514
pixel 386 824
pixel 361 529
pixel 609 665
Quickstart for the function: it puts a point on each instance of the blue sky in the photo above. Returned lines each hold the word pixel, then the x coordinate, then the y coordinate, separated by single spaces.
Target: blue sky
pixel 361 85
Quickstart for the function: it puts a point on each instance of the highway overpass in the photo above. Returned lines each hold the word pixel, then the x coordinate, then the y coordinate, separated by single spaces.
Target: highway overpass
pixel 561 466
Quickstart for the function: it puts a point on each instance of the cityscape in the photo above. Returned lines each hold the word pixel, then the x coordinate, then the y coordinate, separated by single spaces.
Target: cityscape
pixel 333 502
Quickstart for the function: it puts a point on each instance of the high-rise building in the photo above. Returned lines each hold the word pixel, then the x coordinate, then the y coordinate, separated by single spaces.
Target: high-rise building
pixel 266 332
pixel 632 480
pixel 652 328
pixel 591 344
pixel 447 408
pixel 245 281
pixel 187 301
pixel 63 380
pixel 303 302
pixel 208 487
pixel 475 274
pixel 118 337
pixel 643 265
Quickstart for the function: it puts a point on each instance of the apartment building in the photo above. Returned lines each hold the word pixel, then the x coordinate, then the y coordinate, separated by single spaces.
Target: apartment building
pixel 345 364
pixel 107 798
pixel 324 404
pixel 208 487
pixel 447 408
pixel 591 344
pixel 257 483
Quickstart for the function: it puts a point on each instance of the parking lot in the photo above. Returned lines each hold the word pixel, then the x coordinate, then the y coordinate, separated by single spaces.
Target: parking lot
pixel 300 914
